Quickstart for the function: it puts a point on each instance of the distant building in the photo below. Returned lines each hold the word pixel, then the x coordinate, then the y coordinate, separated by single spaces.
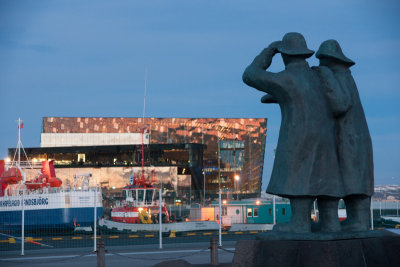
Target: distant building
pixel 182 152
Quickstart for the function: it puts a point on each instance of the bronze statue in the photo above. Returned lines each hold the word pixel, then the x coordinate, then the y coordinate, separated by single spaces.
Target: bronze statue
pixel 353 141
pixel 306 163
pixel 298 173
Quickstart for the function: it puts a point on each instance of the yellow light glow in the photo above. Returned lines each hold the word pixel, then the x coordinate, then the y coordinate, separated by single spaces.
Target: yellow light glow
pixel 224 201
pixel 140 209
pixel 34 160
pixel 237 177
pixel 258 202
pixel 7 159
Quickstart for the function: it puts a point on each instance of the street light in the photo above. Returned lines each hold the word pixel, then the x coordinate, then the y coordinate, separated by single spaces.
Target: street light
pixel 237 178
pixel 204 187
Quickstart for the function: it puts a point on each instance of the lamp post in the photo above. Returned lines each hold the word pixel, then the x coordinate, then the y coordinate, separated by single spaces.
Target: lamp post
pixel 237 178
pixel 204 187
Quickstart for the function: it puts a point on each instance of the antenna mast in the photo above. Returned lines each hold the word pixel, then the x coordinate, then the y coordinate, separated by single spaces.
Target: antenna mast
pixel 144 98
pixel 19 142
pixel 18 148
pixel 144 109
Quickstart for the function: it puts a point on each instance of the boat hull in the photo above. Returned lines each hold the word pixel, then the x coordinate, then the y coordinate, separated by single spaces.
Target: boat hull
pixel 46 219
pixel 61 210
pixel 166 227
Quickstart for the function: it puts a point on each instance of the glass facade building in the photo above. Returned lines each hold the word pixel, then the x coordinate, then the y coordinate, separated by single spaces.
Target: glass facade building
pixel 211 150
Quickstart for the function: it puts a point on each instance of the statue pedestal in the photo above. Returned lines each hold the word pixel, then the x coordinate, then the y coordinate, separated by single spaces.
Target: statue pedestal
pixel 380 249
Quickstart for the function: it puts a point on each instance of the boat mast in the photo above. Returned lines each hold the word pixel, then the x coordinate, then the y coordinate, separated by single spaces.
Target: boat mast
pixel 19 146
pixel 144 109
pixel 19 142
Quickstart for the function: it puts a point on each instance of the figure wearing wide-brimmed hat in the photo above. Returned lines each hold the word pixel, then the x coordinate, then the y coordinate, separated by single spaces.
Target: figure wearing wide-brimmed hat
pixel 306 164
pixel 354 141
pixel 293 45
pixel 330 49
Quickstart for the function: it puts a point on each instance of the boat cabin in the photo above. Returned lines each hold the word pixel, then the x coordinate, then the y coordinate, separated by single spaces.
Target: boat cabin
pixel 139 197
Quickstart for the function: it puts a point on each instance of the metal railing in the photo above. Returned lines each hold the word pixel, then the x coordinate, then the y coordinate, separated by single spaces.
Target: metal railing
pixel 24 164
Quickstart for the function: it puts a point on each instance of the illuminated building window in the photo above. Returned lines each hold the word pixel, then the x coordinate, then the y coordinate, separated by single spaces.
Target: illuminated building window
pixel 81 157
pixel 249 212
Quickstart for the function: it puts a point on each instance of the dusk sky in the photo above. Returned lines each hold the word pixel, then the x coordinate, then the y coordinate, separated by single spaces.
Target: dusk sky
pixel 88 58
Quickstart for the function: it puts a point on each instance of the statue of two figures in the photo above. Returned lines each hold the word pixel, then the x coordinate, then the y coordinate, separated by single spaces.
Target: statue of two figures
pixel 324 150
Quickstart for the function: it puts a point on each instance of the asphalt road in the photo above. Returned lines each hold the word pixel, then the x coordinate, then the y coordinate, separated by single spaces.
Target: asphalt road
pixel 139 255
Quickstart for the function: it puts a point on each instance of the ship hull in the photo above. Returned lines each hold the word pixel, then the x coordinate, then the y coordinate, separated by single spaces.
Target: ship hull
pixel 61 210
pixel 46 219
pixel 166 227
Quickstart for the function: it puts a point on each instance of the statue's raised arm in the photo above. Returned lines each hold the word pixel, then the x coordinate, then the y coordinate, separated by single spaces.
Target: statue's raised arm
pixel 255 74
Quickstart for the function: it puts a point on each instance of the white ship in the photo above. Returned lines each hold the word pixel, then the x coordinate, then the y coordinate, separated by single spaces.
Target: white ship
pixel 46 204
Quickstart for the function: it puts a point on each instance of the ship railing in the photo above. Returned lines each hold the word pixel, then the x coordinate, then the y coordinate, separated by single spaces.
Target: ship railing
pixel 85 188
pixel 25 164
pixel 46 190
pixel 16 192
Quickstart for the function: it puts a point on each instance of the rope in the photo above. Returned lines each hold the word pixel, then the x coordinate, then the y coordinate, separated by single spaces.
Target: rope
pixel 224 249
pixel 234 251
pixel 157 259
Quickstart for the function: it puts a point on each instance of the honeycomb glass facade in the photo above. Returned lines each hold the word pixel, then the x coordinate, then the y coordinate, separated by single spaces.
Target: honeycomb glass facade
pixel 232 147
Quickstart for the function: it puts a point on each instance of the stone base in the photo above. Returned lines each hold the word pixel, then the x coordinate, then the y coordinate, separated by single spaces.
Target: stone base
pixel 383 250
pixel 321 236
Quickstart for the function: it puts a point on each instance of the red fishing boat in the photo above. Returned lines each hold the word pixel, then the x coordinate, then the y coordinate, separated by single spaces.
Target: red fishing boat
pixel 140 204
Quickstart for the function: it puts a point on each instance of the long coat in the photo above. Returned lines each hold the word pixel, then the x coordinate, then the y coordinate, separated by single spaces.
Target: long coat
pixel 306 163
pixel 354 141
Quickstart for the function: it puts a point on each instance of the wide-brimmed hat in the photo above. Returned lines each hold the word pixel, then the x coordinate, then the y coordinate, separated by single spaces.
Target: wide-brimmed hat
pixel 293 43
pixel 332 49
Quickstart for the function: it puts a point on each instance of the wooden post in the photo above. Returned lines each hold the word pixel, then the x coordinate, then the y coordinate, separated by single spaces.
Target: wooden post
pixel 214 251
pixel 101 258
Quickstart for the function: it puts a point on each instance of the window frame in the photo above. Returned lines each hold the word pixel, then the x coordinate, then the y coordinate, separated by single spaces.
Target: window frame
pixel 251 212
pixel 255 210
